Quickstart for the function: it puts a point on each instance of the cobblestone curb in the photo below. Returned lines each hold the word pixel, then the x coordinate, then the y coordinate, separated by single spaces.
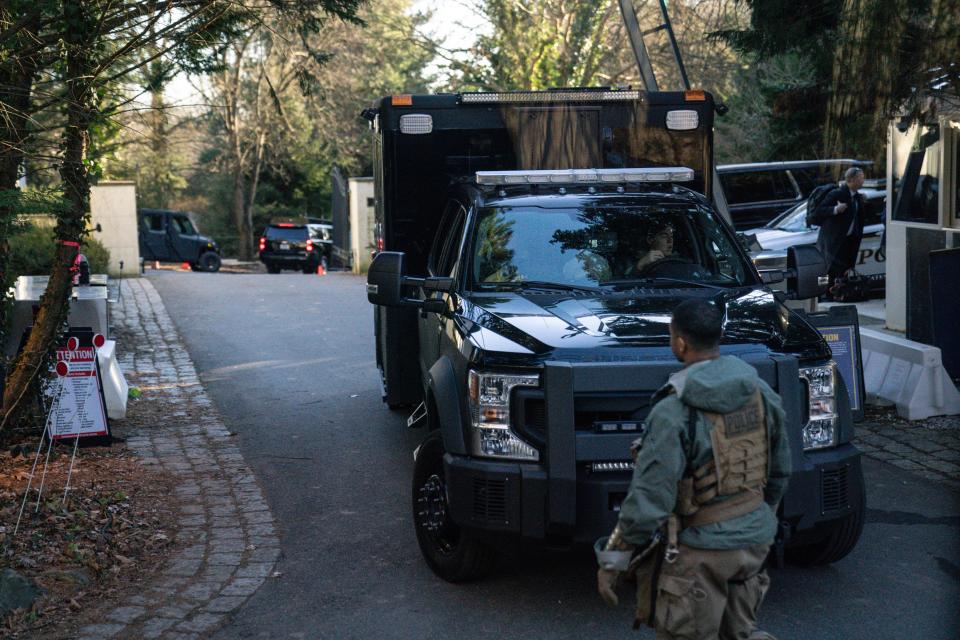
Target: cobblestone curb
pixel 930 448
pixel 227 544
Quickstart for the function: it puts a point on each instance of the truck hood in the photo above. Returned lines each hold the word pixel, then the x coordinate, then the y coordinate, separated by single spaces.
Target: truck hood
pixel 543 322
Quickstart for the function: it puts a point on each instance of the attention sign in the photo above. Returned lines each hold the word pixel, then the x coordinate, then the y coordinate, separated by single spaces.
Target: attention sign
pixel 77 406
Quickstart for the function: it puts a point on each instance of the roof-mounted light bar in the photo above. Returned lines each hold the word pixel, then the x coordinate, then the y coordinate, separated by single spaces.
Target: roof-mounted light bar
pixel 565 95
pixel 585 176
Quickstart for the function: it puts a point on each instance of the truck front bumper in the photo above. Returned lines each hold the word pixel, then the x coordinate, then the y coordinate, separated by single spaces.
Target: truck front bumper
pixel 515 498
pixel 828 487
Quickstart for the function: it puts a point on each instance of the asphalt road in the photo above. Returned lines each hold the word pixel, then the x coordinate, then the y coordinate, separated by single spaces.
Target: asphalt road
pixel 289 361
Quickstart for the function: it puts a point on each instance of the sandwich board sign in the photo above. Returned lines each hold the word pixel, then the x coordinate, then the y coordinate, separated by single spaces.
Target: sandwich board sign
pixel 77 408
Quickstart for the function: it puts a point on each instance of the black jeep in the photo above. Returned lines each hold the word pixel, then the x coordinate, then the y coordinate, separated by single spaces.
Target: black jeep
pixel 171 236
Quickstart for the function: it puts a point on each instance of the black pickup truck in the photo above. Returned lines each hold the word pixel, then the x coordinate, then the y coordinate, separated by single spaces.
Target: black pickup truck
pixel 534 329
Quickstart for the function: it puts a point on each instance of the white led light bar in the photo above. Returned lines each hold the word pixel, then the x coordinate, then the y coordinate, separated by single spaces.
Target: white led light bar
pixel 416 123
pixel 584 176
pixel 610 466
pixel 682 120
pixel 550 96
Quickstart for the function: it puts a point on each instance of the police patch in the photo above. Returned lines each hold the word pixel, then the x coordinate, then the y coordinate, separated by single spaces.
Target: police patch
pixel 748 418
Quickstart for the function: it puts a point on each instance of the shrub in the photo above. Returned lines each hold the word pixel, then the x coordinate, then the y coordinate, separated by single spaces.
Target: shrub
pixel 32 248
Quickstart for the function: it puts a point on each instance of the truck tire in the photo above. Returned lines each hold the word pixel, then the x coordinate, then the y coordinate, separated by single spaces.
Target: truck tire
pixel 272 268
pixel 452 553
pixel 209 262
pixel 839 542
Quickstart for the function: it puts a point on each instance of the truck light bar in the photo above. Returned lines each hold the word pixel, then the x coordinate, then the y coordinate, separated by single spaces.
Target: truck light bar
pixel 571 95
pixel 582 176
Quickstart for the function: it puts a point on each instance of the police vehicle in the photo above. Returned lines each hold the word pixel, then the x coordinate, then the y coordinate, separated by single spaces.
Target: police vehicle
pixel 533 245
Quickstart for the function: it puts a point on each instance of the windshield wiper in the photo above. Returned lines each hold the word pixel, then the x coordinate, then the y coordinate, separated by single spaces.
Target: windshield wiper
pixel 539 284
pixel 630 284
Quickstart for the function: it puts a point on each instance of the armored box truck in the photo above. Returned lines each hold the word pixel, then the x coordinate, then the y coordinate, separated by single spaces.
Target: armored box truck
pixel 531 248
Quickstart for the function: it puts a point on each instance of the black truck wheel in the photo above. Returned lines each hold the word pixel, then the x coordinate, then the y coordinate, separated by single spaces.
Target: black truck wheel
pixel 209 262
pixel 452 553
pixel 841 540
pixel 273 268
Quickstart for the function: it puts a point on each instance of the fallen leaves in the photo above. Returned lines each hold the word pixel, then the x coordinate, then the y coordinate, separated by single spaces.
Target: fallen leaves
pixel 115 527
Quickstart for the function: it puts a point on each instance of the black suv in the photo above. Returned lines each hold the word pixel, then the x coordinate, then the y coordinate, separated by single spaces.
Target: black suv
pixel 757 192
pixel 170 236
pixel 292 245
pixel 542 338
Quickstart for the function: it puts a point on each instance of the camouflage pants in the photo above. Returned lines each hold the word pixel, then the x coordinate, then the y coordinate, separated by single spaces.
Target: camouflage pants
pixel 707 594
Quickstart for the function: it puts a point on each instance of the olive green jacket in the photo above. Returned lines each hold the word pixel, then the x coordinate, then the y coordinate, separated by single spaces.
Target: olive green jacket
pixel 720 385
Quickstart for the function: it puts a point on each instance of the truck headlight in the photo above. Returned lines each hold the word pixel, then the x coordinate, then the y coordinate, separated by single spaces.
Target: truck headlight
pixel 821 428
pixel 489 401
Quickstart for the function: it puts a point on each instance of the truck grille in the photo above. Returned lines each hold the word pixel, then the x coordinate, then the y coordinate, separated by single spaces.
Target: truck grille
pixel 490 500
pixel 529 417
pixel 833 489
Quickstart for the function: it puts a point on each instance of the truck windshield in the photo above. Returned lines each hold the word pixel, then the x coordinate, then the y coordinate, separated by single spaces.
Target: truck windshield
pixel 604 245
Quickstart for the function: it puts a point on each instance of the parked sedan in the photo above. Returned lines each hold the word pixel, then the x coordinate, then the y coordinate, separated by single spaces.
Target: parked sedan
pixel 790 229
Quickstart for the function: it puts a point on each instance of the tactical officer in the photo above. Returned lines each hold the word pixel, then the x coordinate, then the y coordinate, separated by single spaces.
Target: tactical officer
pixel 708 475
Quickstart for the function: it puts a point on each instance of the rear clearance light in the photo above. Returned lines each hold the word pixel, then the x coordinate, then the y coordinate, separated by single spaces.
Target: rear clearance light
pixel 263 244
pixel 575 176
pixel 683 120
pixel 379 244
pixel 571 95
pixel 695 95
pixel 286 224
pixel 601 467
pixel 404 100
pixel 416 123
pixel 309 245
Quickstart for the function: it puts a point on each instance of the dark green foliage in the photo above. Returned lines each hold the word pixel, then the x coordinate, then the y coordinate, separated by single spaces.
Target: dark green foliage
pixel 32 247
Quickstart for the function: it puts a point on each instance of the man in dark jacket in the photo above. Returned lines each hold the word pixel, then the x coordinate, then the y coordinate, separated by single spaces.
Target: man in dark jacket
pixel 842 228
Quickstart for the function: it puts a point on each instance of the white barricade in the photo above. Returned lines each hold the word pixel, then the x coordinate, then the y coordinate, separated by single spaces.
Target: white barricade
pixel 115 386
pixel 908 374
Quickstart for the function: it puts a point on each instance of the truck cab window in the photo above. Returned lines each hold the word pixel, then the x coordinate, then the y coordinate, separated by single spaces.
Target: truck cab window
pixel 154 222
pixel 603 245
pixel 183 226
pixel 448 257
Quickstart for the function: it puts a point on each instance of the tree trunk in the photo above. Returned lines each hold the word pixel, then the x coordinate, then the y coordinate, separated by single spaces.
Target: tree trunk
pixel 71 222
pixel 255 179
pixel 239 212
pixel 16 82
pixel 863 77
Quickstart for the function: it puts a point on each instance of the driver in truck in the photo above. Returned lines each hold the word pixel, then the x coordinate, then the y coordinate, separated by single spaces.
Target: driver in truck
pixel 708 476
pixel 659 243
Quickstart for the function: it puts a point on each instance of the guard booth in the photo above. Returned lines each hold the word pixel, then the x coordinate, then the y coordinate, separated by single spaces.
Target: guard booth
pixel 923 231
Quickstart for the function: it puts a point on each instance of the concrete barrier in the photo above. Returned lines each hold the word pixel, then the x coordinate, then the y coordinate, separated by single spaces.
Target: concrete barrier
pixel 908 374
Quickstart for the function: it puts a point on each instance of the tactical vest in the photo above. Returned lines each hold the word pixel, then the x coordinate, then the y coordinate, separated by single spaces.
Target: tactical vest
pixel 738 470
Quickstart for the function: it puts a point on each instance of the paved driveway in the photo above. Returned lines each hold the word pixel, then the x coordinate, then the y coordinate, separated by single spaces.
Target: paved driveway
pixel 289 361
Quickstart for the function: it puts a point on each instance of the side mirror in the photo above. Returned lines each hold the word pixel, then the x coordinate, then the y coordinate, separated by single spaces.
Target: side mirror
pixel 806 272
pixel 385 278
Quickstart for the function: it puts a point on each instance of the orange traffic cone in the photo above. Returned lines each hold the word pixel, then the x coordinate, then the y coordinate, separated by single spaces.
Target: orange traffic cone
pixel 321 271
pixel 185 266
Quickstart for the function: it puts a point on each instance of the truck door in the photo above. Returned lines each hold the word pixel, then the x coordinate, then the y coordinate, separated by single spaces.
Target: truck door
pixel 183 238
pixel 153 236
pixel 442 259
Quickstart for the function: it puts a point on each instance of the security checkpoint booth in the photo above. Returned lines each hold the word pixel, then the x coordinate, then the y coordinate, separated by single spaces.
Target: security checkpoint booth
pixel 923 268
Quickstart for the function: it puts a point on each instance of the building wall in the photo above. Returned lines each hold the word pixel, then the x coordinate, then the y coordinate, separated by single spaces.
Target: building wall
pixel 362 221
pixel 114 206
